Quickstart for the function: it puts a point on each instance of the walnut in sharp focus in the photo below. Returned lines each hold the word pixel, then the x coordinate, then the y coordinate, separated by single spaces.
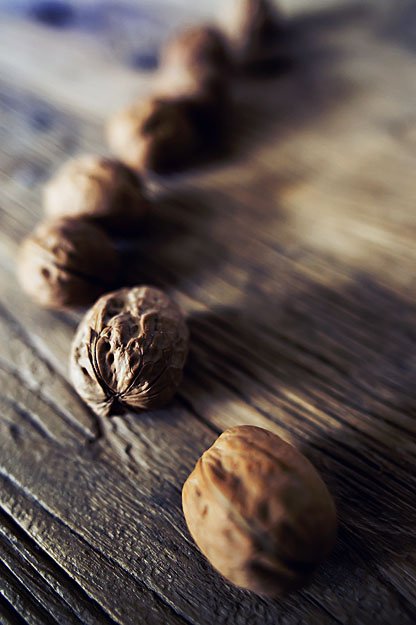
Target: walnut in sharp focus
pixel 156 134
pixel 197 49
pixel 259 511
pixel 66 262
pixel 96 188
pixel 129 351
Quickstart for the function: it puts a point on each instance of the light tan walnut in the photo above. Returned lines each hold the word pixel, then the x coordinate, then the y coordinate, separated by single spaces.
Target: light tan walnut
pixel 259 511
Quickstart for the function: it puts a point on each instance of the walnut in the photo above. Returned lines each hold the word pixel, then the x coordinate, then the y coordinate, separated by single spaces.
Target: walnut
pixel 196 49
pixel 66 262
pixel 205 96
pixel 129 351
pixel 99 189
pixel 157 134
pixel 179 82
pixel 259 511
pixel 250 26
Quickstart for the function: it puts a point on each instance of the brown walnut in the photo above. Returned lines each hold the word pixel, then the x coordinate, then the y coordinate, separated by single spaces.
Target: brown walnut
pixel 66 262
pixel 129 351
pixel 157 135
pixel 99 189
pixel 206 85
pixel 259 511
pixel 197 49
pixel 250 26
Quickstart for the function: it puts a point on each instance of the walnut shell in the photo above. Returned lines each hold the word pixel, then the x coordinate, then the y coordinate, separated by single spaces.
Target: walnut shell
pixel 66 262
pixel 208 90
pixel 179 82
pixel 250 25
pixel 99 189
pixel 196 49
pixel 129 351
pixel 156 134
pixel 259 511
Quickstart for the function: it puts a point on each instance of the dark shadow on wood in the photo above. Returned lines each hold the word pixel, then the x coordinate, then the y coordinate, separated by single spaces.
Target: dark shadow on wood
pixel 168 248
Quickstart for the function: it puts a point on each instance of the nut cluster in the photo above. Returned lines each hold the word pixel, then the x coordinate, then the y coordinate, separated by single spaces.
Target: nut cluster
pixel 259 511
pixel 187 116
pixel 255 505
pixel 69 260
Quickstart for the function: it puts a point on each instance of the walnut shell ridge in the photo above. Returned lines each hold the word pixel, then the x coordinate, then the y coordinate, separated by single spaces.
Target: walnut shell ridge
pixel 96 188
pixel 66 262
pixel 259 511
pixel 129 351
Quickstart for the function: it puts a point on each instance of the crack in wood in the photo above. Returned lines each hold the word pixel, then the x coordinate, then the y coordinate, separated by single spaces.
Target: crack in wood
pixel 112 561
pixel 9 613
pixel 60 582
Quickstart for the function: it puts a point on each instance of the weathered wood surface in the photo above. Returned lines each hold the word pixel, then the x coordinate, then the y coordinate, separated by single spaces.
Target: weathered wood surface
pixel 294 258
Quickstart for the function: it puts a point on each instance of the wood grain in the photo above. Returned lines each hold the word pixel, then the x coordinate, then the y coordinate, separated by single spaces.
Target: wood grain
pixel 293 257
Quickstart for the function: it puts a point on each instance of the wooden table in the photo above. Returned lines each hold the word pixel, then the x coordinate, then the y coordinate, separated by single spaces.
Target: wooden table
pixel 294 258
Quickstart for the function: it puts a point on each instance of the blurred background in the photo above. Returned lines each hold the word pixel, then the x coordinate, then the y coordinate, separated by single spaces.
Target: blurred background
pixel 97 45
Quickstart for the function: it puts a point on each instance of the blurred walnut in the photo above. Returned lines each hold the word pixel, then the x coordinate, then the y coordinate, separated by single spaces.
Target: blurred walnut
pixel 129 351
pixel 187 117
pixel 66 263
pixel 99 189
pixel 156 134
pixel 179 82
pixel 250 26
pixel 197 49
pixel 259 511
pixel 205 95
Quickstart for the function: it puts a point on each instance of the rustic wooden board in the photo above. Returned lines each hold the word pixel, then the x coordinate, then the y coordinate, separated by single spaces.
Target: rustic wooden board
pixel 294 259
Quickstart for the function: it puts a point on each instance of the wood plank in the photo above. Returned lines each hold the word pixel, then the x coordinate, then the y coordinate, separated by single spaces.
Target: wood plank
pixel 294 261
pixel 144 458
pixel 156 503
pixel 28 559
pixel 95 589
pixel 8 613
